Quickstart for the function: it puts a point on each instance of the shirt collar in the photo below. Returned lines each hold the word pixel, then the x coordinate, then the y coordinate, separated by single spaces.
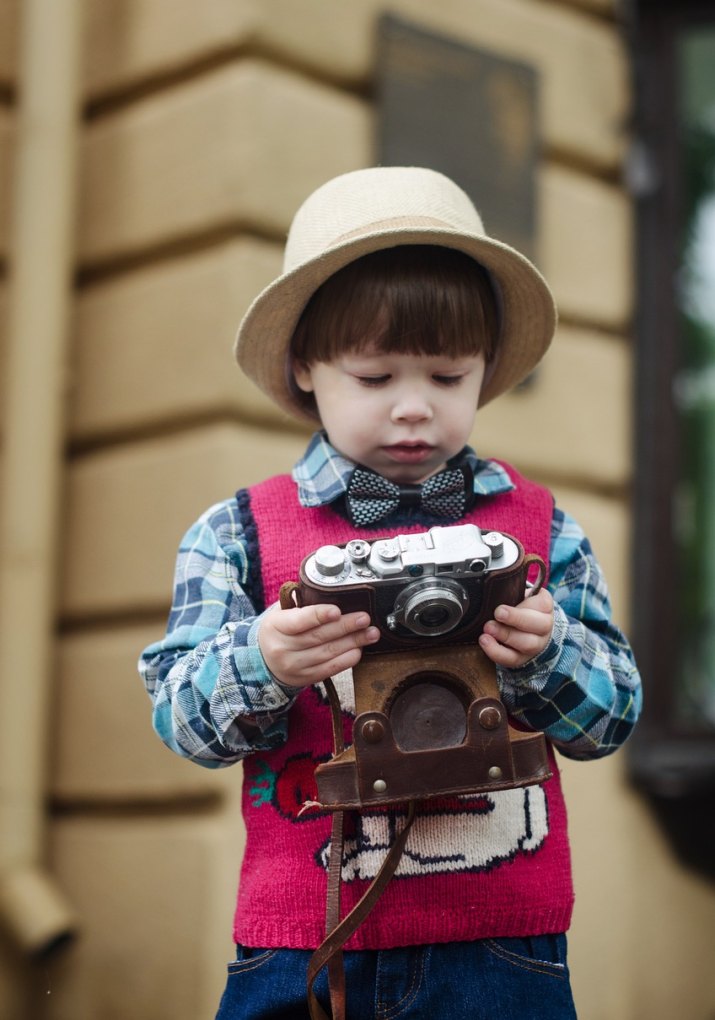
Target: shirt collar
pixel 322 474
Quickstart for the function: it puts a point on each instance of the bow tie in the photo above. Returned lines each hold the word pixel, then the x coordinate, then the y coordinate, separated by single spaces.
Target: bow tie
pixel 370 497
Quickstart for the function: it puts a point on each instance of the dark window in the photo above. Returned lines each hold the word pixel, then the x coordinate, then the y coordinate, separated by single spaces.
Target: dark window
pixel 468 112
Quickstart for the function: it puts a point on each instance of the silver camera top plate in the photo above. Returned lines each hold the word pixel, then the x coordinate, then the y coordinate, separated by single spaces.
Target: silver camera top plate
pixel 446 551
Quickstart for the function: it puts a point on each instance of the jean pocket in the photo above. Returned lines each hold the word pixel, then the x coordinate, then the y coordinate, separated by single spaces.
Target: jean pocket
pixel 540 954
pixel 248 958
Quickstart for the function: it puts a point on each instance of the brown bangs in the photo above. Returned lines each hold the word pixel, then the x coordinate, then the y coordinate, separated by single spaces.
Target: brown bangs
pixel 411 299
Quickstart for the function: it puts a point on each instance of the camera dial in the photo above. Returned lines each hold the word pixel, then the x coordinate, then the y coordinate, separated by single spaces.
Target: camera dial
pixel 494 541
pixel 331 564
pixel 358 550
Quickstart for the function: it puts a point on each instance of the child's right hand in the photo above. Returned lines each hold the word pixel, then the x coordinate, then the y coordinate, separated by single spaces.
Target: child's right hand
pixel 305 645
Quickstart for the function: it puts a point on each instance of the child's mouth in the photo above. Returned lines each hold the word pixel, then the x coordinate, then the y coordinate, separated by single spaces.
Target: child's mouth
pixel 409 453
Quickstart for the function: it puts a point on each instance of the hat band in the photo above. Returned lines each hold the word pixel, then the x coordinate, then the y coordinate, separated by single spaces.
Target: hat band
pixel 396 223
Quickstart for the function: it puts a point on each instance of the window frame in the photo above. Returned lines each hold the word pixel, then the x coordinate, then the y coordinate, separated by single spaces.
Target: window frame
pixel 672 762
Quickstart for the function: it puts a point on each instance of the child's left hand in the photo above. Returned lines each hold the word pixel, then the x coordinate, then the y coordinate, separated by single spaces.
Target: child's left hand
pixel 519 632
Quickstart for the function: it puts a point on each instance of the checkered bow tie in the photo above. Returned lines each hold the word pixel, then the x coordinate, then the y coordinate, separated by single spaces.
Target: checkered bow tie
pixel 370 497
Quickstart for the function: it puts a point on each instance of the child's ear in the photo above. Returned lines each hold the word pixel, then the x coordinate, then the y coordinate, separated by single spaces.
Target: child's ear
pixel 302 375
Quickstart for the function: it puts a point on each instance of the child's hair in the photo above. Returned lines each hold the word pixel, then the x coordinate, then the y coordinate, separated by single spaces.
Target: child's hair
pixel 411 299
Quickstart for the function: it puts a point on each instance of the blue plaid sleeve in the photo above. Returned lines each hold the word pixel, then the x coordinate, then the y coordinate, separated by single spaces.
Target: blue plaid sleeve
pixel 214 699
pixel 584 689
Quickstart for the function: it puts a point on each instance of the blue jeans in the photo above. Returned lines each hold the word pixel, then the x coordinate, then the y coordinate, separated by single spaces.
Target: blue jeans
pixel 491 979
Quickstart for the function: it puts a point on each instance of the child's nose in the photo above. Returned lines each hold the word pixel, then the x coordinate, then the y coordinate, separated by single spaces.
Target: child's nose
pixel 411 407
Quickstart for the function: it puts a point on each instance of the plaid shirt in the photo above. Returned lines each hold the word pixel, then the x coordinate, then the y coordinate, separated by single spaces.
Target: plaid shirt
pixel 215 701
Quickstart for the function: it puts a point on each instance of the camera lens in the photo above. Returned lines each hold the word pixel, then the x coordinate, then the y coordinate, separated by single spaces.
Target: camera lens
pixel 434 616
pixel 433 612
pixel 431 607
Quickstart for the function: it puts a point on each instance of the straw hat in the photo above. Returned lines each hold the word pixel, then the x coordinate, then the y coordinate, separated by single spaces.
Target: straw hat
pixel 382 207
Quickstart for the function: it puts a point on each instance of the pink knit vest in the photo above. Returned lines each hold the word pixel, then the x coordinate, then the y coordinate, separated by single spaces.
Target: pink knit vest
pixel 475 867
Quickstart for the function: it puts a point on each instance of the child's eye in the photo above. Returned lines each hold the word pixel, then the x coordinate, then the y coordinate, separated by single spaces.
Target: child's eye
pixel 372 380
pixel 448 380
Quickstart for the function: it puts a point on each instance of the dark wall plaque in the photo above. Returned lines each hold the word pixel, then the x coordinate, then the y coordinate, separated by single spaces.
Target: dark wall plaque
pixel 464 111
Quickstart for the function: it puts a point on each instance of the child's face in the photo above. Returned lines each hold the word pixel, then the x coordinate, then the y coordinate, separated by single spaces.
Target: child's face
pixel 403 415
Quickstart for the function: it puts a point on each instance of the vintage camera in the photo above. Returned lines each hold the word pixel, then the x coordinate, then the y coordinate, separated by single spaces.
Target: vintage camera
pixel 429 721
pixel 442 584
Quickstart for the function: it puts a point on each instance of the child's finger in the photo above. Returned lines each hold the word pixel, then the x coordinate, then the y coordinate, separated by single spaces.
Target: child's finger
pixel 325 666
pixel 501 654
pixel 542 601
pixel 309 665
pixel 318 625
pixel 293 622
pixel 347 625
pixel 524 643
pixel 524 634
pixel 518 633
pixel 326 650
pixel 524 618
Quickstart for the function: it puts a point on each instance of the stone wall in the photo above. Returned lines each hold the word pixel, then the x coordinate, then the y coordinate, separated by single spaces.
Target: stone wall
pixel 205 126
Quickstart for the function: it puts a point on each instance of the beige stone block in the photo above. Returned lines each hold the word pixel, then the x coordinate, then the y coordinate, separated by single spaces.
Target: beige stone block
pixel 155 897
pixel 19 993
pixel 586 247
pixel 3 328
pixel 128 507
pixel 333 39
pixel 238 147
pixel 9 29
pixel 607 523
pixel 6 136
pixel 3 351
pixel 130 40
pixel 609 8
pixel 104 748
pixel 155 344
pixel 572 419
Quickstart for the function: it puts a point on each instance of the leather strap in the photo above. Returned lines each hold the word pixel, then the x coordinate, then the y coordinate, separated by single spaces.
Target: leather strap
pixel 336 971
pixel 340 934
pixel 329 952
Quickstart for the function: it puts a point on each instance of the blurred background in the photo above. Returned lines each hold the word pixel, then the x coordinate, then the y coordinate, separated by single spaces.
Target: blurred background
pixel 152 153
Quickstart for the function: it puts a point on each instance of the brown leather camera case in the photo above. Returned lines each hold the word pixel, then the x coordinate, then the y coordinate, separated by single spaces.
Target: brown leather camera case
pixel 429 722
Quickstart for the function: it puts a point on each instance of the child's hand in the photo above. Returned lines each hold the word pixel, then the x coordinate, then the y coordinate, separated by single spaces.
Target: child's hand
pixel 305 645
pixel 519 632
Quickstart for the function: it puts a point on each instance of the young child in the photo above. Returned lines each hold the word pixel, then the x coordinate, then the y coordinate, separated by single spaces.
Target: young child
pixel 396 316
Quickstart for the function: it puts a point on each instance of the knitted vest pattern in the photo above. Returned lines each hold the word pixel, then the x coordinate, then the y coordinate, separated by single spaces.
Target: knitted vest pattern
pixel 489 865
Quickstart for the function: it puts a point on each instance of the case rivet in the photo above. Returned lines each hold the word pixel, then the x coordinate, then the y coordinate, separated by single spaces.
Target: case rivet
pixel 489 718
pixel 379 786
pixel 495 772
pixel 373 731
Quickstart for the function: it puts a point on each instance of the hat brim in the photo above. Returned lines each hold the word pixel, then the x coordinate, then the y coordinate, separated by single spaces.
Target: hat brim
pixel 526 308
